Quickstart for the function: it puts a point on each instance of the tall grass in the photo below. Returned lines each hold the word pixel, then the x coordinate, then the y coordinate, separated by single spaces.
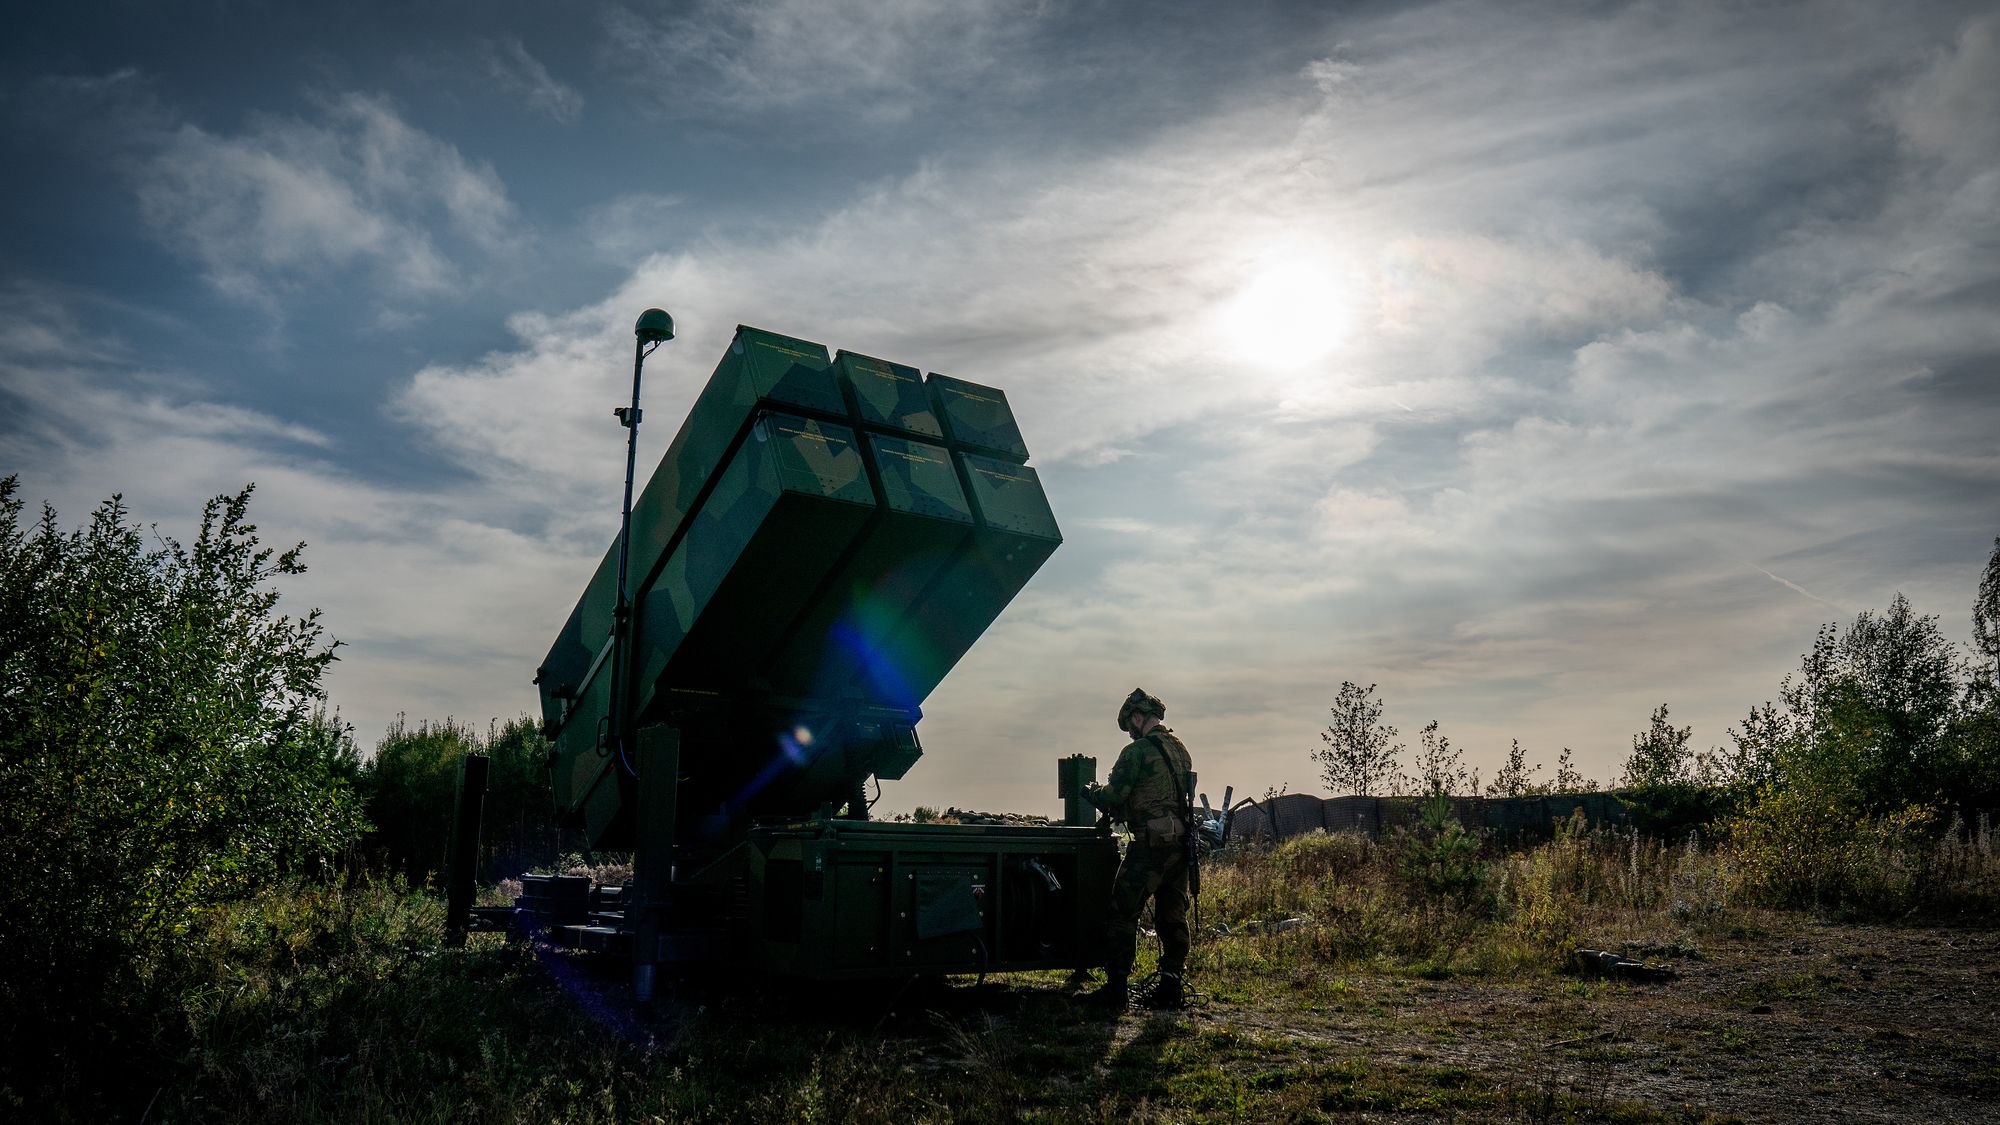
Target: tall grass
pixel 338 1000
pixel 1354 901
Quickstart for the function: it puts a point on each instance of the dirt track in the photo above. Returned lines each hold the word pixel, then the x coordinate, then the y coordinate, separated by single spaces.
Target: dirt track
pixel 1804 1022
pixel 1814 1022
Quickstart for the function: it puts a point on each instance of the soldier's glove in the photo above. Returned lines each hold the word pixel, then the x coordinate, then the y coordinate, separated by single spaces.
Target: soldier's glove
pixel 1094 793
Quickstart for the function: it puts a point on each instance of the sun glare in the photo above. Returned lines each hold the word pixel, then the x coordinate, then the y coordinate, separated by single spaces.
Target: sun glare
pixel 1290 313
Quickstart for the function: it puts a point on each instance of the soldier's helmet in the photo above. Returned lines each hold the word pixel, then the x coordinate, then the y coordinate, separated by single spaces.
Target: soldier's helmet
pixel 1139 703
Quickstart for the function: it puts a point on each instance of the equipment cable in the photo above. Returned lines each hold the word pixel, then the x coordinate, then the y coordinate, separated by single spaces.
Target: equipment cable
pixel 1149 985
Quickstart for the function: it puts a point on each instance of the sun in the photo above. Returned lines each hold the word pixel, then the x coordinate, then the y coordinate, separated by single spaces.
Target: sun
pixel 1293 311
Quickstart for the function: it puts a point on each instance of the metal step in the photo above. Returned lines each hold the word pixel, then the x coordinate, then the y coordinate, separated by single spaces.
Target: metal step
pixel 598 939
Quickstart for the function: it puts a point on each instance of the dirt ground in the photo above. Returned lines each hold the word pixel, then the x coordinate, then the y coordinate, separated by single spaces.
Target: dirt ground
pixel 1789 1020
pixel 1805 1022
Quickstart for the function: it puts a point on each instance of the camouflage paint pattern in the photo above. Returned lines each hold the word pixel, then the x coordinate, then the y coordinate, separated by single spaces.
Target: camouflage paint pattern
pixel 847 636
pixel 1143 792
pixel 778 518
pixel 759 368
pixel 781 515
pixel 977 417
pixel 1016 534
pixel 1159 874
pixel 888 395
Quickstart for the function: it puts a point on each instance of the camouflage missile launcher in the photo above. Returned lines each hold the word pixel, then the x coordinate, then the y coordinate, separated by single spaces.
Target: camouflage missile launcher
pixel 825 537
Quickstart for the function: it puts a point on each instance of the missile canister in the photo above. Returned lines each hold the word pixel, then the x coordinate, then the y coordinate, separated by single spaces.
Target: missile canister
pixel 760 369
pixel 821 542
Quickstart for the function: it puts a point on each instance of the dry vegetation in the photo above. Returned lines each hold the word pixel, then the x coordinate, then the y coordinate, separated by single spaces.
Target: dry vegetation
pixel 1384 1000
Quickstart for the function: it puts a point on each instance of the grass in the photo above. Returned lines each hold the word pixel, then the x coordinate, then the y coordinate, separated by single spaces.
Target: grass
pixel 1385 999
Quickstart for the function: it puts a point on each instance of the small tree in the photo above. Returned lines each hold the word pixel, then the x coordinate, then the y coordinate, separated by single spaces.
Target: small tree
pixel 521 828
pixel 1660 754
pixel 1569 779
pixel 1440 858
pixel 410 782
pixel 1986 622
pixel 1517 777
pixel 1762 741
pixel 1973 741
pixel 1358 751
pixel 1441 766
pixel 1889 687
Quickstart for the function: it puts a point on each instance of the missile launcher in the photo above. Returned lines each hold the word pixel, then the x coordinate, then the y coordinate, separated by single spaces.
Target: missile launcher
pixel 823 540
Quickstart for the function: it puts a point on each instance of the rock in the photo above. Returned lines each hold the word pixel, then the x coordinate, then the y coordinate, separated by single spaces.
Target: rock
pixel 1259 926
pixel 1605 963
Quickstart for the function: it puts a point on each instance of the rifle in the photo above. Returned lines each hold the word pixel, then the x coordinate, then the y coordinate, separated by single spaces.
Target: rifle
pixel 1190 841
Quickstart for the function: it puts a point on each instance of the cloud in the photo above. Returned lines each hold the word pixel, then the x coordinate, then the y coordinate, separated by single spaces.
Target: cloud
pixel 1589 364
pixel 290 202
pixel 516 72
pixel 876 58
pixel 442 608
pixel 634 219
pixel 38 325
pixel 1945 113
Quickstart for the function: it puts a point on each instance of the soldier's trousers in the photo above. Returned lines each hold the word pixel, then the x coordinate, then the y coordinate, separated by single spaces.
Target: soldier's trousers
pixel 1157 873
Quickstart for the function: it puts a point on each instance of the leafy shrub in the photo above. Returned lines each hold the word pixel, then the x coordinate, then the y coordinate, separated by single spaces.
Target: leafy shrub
pixel 1674 810
pixel 410 783
pixel 1698 885
pixel 1516 777
pixel 1440 766
pixel 1322 856
pixel 163 750
pixel 411 786
pixel 1807 845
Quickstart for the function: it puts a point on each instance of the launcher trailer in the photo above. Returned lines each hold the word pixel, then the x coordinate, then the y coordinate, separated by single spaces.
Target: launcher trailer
pixel 824 538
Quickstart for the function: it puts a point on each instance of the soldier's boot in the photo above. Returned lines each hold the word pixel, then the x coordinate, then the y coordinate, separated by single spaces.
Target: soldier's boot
pixel 1112 996
pixel 1169 995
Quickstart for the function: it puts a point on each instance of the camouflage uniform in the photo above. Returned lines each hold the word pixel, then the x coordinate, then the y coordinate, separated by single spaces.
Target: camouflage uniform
pixel 1148 798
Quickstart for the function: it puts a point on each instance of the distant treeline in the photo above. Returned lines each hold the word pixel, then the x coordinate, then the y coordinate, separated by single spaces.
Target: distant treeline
pixel 409 788
pixel 1885 739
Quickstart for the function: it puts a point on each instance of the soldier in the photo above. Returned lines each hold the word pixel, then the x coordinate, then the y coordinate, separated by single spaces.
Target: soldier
pixel 1149 792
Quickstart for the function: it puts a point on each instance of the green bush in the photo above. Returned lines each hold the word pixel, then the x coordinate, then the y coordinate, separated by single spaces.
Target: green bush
pixel 163 750
pixel 1845 787
pixel 1672 810
pixel 411 787
pixel 1321 856
pixel 1815 838
pixel 410 783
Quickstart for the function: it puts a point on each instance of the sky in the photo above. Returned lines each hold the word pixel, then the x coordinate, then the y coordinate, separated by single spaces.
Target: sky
pixel 1541 363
